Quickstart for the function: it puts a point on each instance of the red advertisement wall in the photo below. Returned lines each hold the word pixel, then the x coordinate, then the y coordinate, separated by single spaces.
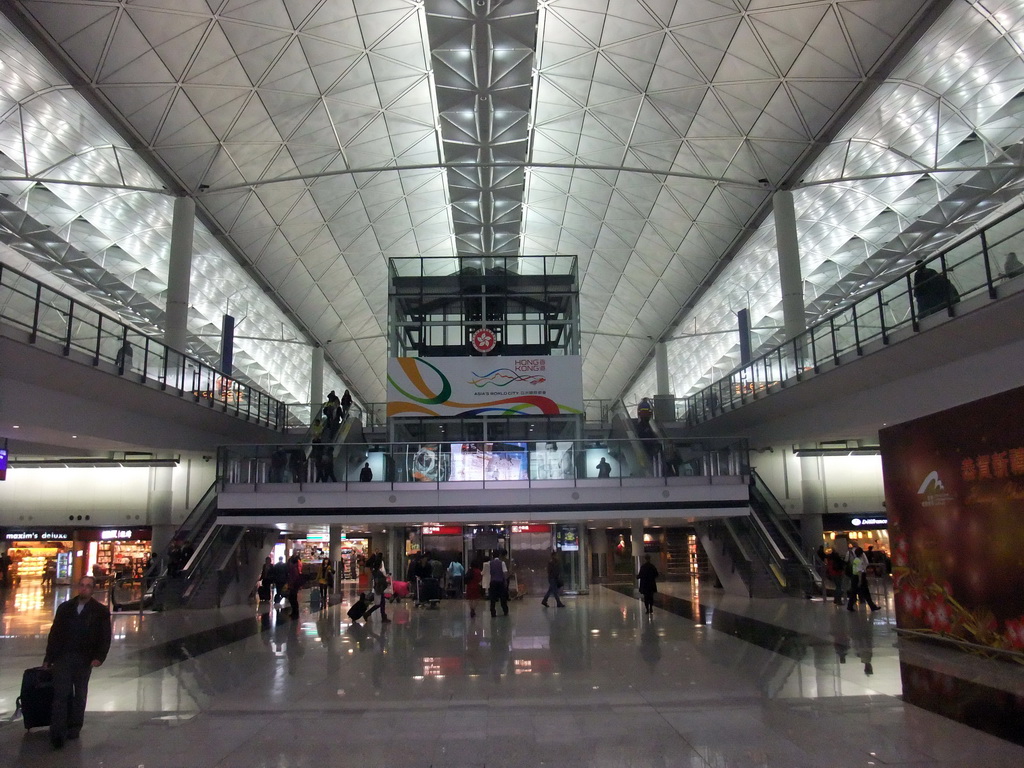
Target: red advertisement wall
pixel 954 488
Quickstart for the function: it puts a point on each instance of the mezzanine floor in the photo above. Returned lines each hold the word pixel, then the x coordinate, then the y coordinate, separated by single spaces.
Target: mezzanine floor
pixel 731 682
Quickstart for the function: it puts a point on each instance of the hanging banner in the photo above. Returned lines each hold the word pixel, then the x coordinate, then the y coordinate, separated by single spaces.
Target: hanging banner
pixel 485 386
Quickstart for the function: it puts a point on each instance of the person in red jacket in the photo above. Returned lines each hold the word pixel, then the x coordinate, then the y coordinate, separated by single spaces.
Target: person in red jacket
pixel 79 640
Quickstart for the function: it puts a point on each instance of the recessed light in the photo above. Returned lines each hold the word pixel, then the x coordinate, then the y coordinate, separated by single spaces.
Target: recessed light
pixel 16 426
pixel 74 437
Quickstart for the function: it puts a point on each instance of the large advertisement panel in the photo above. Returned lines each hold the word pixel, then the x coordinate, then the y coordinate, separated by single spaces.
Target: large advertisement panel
pixel 491 386
pixel 954 489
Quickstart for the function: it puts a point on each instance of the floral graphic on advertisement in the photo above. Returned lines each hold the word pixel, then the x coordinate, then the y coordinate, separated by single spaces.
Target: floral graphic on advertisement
pixel 926 602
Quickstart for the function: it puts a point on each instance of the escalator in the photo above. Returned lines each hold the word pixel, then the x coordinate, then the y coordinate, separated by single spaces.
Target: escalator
pixel 636 456
pixel 209 565
pixel 762 554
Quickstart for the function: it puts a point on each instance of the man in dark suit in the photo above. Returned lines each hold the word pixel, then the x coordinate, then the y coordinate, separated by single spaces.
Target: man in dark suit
pixel 79 640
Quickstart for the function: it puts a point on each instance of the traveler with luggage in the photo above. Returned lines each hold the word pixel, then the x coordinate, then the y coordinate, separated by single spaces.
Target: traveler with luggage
pixel 379 579
pixel 79 640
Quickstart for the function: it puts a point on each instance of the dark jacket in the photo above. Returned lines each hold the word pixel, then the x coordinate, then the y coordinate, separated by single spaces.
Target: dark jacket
pixel 279 573
pixel 88 634
pixel 648 577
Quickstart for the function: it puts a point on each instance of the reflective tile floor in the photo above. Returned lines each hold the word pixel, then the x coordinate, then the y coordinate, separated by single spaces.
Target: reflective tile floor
pixel 709 681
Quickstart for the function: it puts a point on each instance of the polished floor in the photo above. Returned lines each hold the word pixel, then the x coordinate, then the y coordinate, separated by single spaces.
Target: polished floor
pixel 709 681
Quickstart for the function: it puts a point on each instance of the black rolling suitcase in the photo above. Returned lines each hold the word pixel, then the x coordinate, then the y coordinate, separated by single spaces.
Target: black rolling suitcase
pixel 428 592
pixel 358 609
pixel 36 700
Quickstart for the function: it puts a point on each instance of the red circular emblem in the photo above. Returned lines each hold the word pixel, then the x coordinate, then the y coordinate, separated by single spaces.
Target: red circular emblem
pixel 484 340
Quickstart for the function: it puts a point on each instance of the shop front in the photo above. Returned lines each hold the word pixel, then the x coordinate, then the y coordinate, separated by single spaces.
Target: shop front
pixel 41 557
pixel 869 532
pixel 115 553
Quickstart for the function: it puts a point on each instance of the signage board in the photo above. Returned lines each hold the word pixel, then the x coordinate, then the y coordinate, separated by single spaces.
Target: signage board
pixel 485 386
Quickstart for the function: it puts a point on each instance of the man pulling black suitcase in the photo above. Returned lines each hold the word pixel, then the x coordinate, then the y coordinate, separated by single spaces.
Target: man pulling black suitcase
pixel 79 641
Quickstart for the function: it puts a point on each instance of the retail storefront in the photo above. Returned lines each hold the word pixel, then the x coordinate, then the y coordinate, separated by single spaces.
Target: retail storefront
pixel 869 532
pixel 114 553
pixel 41 557
pixel 60 556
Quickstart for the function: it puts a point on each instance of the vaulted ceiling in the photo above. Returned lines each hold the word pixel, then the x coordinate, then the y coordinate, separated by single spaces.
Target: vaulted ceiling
pixel 320 138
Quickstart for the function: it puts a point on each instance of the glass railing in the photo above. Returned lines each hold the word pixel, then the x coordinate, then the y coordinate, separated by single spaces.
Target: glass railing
pixel 974 267
pixel 78 331
pixel 517 463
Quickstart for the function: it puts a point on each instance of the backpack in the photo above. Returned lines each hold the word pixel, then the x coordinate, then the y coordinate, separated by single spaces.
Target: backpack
pixel 380 581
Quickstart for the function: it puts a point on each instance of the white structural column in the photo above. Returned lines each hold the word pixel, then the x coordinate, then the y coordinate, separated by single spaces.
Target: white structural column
pixel 179 272
pixel 664 400
pixel 316 382
pixel 661 368
pixel 335 552
pixel 789 264
pixel 636 544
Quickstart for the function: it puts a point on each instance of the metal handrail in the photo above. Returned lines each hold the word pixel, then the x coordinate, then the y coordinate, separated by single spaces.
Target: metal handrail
pixel 534 462
pixel 71 326
pixel 847 330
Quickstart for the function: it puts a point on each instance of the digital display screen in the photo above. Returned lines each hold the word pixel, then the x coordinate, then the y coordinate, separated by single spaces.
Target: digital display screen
pixel 552 461
pixel 3 463
pixel 567 538
pixel 489 461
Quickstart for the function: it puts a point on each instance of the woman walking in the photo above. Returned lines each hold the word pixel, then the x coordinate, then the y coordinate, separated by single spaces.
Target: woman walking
pixel 648 577
pixel 324 577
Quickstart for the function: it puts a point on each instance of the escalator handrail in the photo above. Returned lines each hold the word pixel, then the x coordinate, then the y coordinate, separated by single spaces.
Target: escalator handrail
pixel 773 507
pixel 196 519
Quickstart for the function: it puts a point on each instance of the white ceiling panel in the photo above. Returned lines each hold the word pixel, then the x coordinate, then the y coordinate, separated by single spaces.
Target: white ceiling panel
pixel 313 138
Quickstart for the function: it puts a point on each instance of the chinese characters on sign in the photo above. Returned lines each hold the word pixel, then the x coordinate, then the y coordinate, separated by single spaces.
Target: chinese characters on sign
pixel 993 466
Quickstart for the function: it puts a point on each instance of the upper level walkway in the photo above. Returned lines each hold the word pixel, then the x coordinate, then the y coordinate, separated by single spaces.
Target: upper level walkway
pixel 68 369
pixel 522 481
pixel 708 681
pixel 886 358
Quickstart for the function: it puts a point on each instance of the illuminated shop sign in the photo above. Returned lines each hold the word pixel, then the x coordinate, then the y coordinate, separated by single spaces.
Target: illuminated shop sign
pixel 531 528
pixel 442 530
pixel 116 533
pixel 36 536
pixel 841 522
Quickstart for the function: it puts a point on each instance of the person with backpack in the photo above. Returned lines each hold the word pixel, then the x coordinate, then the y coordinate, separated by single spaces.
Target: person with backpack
pixel 835 569
pixel 324 579
pixel 859 587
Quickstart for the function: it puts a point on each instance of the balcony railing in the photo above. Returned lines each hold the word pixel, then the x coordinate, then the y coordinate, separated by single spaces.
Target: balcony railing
pixel 973 267
pixel 526 464
pixel 79 332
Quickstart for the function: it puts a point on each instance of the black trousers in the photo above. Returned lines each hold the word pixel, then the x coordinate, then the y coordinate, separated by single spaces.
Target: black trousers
pixel 377 606
pixel 648 598
pixel 859 590
pixel 70 688
pixel 499 591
